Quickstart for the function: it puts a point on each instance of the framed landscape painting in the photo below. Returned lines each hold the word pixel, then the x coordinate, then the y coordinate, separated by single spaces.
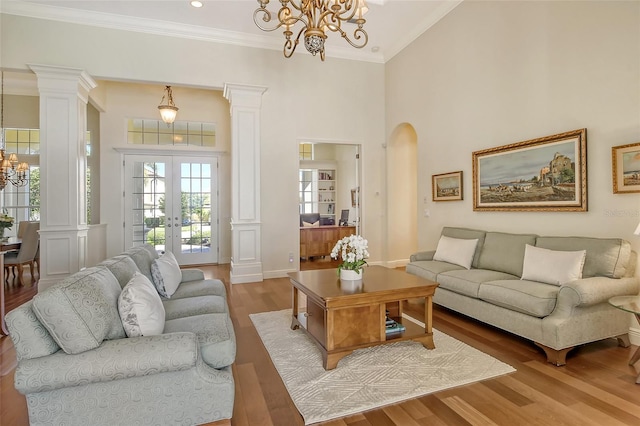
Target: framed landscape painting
pixel 626 168
pixel 447 186
pixel 544 174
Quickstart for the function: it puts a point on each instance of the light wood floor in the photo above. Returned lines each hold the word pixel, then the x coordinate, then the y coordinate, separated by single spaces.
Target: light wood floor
pixel 596 387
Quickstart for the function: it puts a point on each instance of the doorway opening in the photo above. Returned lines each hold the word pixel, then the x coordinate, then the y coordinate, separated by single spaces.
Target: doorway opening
pixel 329 179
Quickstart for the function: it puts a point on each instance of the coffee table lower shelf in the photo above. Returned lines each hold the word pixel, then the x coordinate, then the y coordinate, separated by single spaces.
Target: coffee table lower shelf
pixel 356 335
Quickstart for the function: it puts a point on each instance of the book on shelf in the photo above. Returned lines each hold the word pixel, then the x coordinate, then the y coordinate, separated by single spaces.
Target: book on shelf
pixel 393 326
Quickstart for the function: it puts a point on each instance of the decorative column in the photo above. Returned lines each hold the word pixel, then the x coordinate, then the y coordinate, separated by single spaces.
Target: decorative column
pixel 64 93
pixel 246 256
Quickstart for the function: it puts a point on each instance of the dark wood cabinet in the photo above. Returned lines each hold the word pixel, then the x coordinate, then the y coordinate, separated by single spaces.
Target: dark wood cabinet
pixel 320 240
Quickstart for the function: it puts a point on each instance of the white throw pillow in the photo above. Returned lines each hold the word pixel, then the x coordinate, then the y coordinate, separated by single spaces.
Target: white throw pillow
pixel 166 274
pixel 141 310
pixel 552 266
pixel 455 250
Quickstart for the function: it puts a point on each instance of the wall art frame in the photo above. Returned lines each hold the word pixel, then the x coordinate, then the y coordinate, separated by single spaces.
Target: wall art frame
pixel 447 186
pixel 625 167
pixel 544 174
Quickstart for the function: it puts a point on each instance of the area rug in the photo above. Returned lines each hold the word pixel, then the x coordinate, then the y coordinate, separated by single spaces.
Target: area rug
pixel 368 378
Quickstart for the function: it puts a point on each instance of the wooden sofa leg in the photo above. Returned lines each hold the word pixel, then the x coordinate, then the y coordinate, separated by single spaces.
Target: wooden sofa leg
pixel 623 340
pixel 555 356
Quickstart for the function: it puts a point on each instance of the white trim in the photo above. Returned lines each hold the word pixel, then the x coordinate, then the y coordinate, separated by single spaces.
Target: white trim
pixel 427 23
pixel 170 29
pixel 168 150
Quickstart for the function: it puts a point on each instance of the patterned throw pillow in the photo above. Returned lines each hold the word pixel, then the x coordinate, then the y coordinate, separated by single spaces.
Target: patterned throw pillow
pixel 166 274
pixel 140 307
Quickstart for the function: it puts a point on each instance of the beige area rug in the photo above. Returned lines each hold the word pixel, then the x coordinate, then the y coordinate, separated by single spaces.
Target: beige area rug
pixel 368 378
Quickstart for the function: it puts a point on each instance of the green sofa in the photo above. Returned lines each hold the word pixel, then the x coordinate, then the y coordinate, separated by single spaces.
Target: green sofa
pixel 76 365
pixel 556 316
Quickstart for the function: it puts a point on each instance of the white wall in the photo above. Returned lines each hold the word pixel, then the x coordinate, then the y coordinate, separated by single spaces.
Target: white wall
pixel 335 100
pixel 494 73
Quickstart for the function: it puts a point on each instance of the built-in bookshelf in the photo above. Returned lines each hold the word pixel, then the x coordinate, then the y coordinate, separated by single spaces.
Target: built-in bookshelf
pixel 318 192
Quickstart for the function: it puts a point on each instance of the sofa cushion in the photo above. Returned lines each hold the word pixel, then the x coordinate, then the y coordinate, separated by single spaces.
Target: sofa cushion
pixel 529 297
pixel 552 266
pixel 606 257
pixel 81 310
pixel 179 308
pixel 143 256
pixel 30 338
pixel 215 336
pixel 166 274
pixel 122 267
pixel 456 250
pixel 140 307
pixel 467 234
pixel 467 282
pixel 199 288
pixel 430 269
pixel 504 252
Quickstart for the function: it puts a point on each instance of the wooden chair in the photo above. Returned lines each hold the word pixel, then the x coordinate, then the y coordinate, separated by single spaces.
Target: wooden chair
pixel 26 255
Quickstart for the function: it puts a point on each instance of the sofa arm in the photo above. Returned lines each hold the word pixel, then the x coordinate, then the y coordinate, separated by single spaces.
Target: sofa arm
pixel 422 255
pixel 112 360
pixel 192 275
pixel 591 291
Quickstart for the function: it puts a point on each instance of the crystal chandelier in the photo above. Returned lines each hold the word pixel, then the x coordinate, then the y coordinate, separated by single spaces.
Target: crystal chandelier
pixel 11 171
pixel 169 110
pixel 316 17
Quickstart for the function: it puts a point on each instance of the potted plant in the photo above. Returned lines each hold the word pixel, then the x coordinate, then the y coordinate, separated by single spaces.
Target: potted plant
pixel 353 252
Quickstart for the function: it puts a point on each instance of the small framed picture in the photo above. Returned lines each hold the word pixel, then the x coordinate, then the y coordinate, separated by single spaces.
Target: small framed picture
pixel 447 186
pixel 625 161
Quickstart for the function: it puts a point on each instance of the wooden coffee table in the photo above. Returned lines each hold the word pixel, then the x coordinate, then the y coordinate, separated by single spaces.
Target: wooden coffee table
pixel 341 318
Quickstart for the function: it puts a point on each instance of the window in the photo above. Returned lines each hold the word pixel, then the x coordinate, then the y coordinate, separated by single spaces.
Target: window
pixel 156 132
pixel 306 151
pixel 23 202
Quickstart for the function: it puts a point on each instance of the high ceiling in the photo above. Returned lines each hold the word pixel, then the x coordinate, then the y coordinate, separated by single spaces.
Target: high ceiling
pixel 391 24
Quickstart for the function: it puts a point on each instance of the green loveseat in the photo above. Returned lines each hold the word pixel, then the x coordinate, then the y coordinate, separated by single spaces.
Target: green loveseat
pixel 556 316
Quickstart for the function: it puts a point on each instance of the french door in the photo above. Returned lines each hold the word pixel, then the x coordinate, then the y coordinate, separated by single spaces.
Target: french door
pixel 171 202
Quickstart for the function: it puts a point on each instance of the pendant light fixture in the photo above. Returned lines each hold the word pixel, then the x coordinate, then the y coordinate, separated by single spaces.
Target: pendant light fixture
pixel 168 110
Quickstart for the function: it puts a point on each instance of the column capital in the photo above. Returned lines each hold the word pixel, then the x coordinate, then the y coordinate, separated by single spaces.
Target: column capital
pixel 54 78
pixel 244 95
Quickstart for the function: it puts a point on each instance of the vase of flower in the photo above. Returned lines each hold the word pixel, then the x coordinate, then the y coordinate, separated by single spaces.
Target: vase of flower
pixel 353 252
pixel 6 222
pixel 350 275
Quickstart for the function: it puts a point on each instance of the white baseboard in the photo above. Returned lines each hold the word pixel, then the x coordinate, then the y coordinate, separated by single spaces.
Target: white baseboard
pixel 282 273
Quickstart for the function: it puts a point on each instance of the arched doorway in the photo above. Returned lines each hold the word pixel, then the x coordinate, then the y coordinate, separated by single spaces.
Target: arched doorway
pixel 402 195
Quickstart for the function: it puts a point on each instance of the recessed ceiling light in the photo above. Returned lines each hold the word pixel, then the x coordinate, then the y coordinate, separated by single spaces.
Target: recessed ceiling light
pixel 196 3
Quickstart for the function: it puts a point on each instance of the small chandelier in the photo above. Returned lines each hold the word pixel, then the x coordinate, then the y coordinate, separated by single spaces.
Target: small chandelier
pixel 169 110
pixel 316 17
pixel 11 171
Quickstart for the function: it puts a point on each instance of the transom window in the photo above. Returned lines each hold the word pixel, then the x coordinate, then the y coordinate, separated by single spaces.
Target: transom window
pixel 157 132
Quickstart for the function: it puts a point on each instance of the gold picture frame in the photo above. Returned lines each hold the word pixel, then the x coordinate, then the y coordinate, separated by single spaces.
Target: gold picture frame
pixel 447 186
pixel 543 174
pixel 625 166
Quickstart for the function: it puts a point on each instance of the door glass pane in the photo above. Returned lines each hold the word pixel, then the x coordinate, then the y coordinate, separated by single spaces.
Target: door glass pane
pixel 195 194
pixel 148 204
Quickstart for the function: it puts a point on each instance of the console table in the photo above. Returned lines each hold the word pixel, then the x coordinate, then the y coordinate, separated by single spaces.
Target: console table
pixel 320 240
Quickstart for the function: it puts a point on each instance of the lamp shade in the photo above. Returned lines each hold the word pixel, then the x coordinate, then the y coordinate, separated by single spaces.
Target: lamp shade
pixel 637 231
pixel 168 113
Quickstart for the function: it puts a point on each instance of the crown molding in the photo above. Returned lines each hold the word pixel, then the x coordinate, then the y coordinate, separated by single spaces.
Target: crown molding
pixel 168 29
pixel 428 22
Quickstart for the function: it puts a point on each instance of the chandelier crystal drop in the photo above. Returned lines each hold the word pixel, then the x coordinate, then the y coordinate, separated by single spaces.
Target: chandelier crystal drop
pixel 11 170
pixel 312 19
